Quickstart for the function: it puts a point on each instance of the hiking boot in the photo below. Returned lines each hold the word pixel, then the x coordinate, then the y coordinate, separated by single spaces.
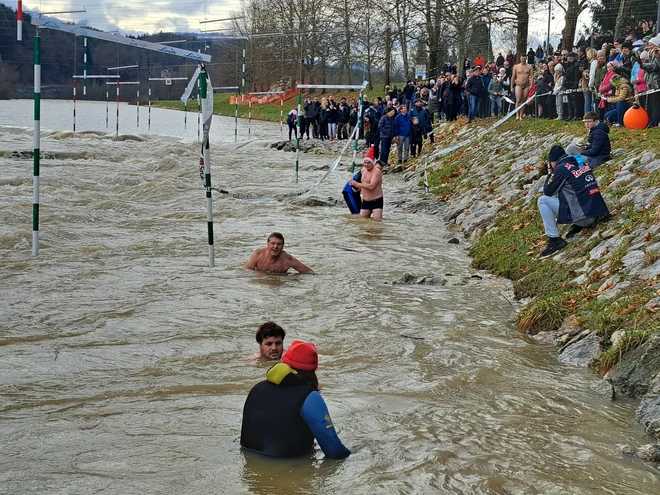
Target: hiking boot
pixel 573 231
pixel 554 245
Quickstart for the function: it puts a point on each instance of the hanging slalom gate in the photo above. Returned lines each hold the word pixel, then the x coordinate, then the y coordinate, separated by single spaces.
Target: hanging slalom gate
pixel 229 89
pixel 85 77
pixel 168 81
pixel 122 83
pixel 40 23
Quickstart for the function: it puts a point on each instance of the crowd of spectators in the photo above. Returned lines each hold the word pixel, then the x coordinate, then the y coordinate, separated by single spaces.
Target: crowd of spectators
pixel 599 76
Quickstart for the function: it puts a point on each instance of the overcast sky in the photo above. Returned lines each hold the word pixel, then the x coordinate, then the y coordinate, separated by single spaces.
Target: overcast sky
pixel 140 16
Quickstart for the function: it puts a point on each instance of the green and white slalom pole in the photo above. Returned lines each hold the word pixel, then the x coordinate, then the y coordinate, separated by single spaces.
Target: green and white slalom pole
pixel 298 134
pixel 357 134
pixel 149 111
pixel 207 110
pixel 85 68
pixel 37 144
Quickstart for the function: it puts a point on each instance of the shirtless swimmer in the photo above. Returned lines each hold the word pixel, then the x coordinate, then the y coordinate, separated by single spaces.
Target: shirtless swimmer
pixel 521 82
pixel 273 258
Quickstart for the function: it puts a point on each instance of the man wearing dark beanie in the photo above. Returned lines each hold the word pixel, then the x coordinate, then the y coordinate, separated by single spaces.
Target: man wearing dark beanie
pixel 571 194
pixel 284 413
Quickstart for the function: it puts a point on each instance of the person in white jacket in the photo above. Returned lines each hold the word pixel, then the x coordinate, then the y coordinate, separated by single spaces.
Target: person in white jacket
pixel 559 87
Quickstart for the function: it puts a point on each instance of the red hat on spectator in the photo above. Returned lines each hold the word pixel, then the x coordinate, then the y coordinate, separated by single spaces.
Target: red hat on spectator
pixel 370 156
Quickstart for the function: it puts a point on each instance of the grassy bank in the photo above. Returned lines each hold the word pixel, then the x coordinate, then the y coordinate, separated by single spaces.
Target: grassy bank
pixel 510 244
pixel 267 111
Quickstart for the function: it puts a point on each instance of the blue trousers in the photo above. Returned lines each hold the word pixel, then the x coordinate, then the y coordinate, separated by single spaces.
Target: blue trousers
pixel 549 209
pixel 474 107
pixel 618 112
pixel 385 145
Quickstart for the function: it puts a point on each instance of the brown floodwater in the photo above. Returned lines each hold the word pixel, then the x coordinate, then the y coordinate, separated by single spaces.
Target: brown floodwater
pixel 125 360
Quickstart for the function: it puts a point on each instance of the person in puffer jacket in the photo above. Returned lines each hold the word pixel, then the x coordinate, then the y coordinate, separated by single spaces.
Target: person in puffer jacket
pixel 622 86
pixel 598 147
pixel 570 193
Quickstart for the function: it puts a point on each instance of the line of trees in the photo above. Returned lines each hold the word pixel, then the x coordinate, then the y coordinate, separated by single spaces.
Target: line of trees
pixel 317 41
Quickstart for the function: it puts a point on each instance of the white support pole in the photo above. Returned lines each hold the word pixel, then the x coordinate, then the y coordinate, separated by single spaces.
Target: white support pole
pixel 333 86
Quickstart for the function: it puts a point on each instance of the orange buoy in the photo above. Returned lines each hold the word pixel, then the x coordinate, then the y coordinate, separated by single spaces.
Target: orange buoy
pixel 635 118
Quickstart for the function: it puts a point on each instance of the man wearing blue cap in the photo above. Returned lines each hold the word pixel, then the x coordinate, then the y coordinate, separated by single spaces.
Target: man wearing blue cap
pixel 571 194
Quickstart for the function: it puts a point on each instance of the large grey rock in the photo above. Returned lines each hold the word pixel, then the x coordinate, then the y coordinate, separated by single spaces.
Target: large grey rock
pixel 651 272
pixel 603 389
pixel 410 279
pixel 472 222
pixel 622 178
pixel 581 353
pixel 633 259
pixel 648 412
pixel 651 166
pixel 646 157
pixel 640 197
pixel 634 374
pixel 649 452
pixel 314 201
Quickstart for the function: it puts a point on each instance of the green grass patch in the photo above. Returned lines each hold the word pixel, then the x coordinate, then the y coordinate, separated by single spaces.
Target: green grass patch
pixel 625 313
pixel 504 249
pixel 268 111
pixel 629 341
pixel 653 179
pixel 546 278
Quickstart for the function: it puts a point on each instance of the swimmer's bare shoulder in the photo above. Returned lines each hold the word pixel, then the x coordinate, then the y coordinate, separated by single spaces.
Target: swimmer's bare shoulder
pixel 297 265
pixel 254 259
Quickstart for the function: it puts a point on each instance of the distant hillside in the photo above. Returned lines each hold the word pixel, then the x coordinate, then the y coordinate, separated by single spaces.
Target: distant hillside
pixel 62 56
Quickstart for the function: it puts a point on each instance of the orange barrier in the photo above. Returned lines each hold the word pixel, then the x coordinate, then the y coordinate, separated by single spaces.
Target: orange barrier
pixel 259 99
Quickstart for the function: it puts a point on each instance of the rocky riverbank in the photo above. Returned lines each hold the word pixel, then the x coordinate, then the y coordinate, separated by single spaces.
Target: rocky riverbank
pixel 597 300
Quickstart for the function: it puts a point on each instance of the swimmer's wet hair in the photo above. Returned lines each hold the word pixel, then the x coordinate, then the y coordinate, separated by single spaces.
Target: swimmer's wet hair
pixel 269 329
pixel 276 235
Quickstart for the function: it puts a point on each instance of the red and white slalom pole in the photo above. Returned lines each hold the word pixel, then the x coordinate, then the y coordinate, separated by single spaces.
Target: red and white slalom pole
pixel 281 118
pixel 19 21
pixel 249 117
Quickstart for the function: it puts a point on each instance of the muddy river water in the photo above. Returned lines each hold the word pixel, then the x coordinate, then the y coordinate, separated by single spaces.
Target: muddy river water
pixel 125 359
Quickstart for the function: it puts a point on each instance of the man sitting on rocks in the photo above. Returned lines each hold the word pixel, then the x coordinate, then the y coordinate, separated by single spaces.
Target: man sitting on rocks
pixel 571 193
pixel 597 150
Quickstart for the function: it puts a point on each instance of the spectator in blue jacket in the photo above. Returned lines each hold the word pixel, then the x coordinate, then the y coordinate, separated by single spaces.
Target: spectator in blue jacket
pixel 387 134
pixel 598 148
pixel 571 194
pixel 422 115
pixel 475 88
pixel 402 123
